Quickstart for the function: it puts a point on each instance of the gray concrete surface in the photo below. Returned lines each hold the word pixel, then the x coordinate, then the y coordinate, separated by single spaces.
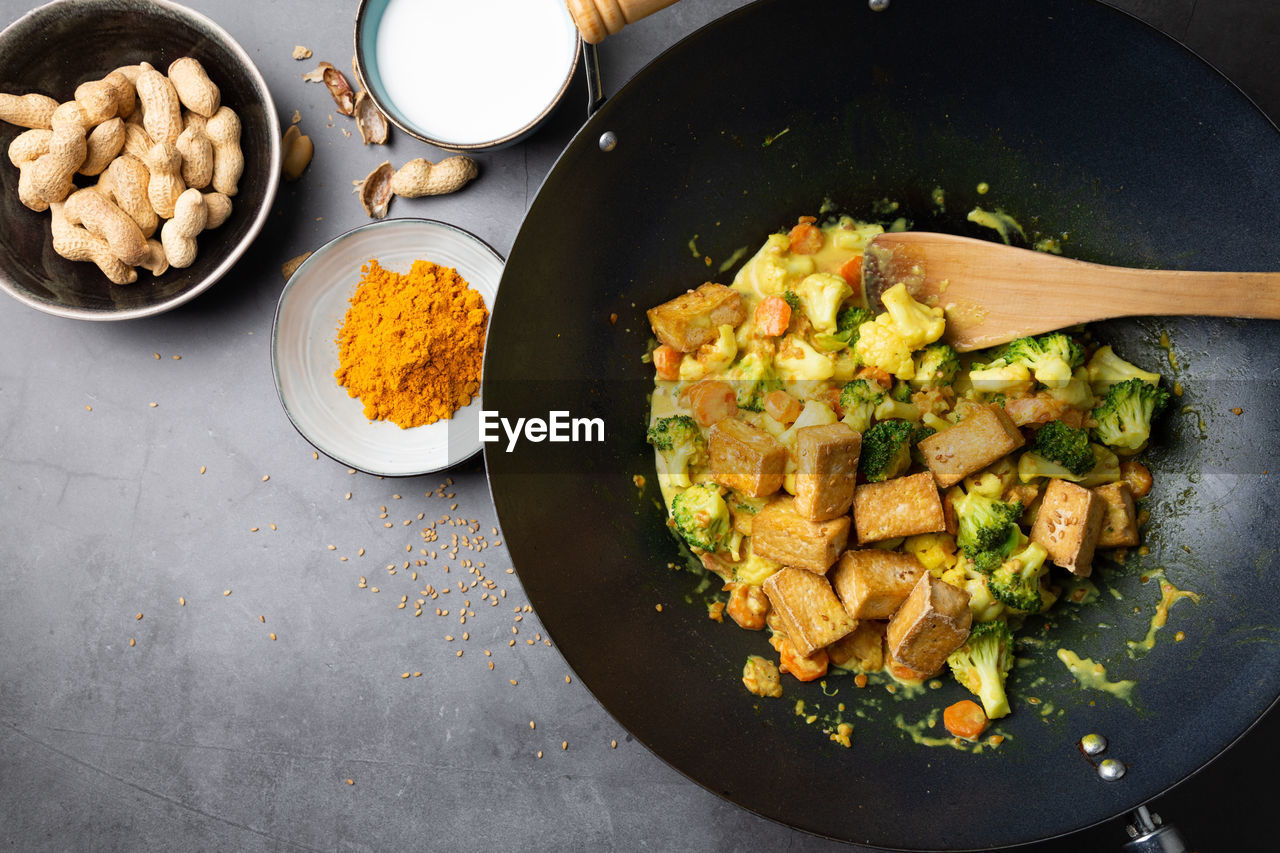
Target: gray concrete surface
pixel 207 734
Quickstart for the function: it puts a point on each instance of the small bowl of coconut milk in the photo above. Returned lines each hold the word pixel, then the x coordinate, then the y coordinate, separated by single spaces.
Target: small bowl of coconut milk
pixel 466 75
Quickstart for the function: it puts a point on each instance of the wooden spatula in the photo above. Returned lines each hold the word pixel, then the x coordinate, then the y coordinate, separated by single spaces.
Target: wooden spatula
pixel 993 294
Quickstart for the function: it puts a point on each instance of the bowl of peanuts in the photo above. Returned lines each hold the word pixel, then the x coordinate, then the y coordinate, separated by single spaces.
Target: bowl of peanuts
pixel 143 157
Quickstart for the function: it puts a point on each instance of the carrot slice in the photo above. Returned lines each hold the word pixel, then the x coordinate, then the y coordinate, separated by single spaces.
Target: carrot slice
pixel 712 401
pixel 781 406
pixel 666 361
pixel 965 719
pixel 806 239
pixel 773 315
pixel 851 271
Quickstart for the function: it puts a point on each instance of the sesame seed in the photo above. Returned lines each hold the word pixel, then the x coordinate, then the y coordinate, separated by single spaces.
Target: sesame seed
pixel 139 617
pixel 272 636
pixel 272 525
pixel 613 744
pixel 657 607
pixel 539 753
pixel 459 652
pixel 226 592
pixel 153 405
pixel 360 553
pixel 531 724
pixel 182 602
pixel 567 679
pixel 157 355
pixel 351 781
pixel 349 470
pixel 405 675
pixel 374 589
pixel 253 530
pixel 417 675
pixel 177 358
pixel 395 497
pixel 132 642
pixel 202 469
pixel 266 477
pixel 333 547
pixel 348 497
pixel 490 665
pixel 262 619
pixel 88 408
pixel 564 744
pixel 513 682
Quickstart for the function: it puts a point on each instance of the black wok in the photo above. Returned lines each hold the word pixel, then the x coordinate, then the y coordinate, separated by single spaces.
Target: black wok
pixel 1082 121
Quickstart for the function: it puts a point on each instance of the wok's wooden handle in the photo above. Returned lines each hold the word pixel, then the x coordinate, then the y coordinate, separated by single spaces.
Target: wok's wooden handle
pixel 599 18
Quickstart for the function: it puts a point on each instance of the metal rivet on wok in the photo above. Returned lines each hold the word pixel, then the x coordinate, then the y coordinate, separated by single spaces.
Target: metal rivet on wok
pixel 1110 769
pixel 1093 744
pixel 608 141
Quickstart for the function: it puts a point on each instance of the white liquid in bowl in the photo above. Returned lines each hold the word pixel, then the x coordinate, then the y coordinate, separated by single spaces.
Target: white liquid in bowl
pixel 474 71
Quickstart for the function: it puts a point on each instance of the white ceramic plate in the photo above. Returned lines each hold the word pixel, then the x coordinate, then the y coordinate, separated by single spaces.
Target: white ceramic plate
pixel 304 354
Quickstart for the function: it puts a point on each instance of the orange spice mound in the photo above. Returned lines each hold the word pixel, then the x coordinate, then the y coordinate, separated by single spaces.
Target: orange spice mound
pixel 410 346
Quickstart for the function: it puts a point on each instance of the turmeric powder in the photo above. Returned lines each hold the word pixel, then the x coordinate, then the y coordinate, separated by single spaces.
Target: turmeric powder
pixel 410 346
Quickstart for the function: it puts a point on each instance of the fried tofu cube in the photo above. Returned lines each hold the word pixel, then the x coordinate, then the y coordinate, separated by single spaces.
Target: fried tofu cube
pixel 932 623
pixel 873 582
pixel 694 318
pixel 986 434
pixel 1119 518
pixel 808 611
pixel 826 470
pixel 746 458
pixel 1068 524
pixel 862 648
pixel 903 506
pixel 781 534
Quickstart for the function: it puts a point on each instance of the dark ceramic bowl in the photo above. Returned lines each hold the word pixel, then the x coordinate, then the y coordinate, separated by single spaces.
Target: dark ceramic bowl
pixel 54 48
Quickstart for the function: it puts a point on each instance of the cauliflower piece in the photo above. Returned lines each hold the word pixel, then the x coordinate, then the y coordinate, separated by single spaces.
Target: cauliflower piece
pixel 796 360
pixel 821 295
pixel 1010 379
pixel 917 324
pixel 880 345
pixel 814 413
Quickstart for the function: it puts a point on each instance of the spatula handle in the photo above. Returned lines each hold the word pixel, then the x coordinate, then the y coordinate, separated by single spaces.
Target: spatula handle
pixel 597 19
pixel 1176 292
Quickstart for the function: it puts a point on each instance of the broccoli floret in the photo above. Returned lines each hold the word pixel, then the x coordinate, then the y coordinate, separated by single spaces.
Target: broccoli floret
pixel 821 295
pixel 846 333
pixel 701 517
pixel 919 434
pixel 858 400
pixel 792 299
pixel 753 377
pixel 988 528
pixel 936 365
pixel 1065 445
pixel 1051 358
pixel 1016 581
pixel 1106 468
pixel 681 444
pixel 901 391
pixel 1124 418
pixel 982 664
pixel 1106 368
pixel 886 450
pixel 850 319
